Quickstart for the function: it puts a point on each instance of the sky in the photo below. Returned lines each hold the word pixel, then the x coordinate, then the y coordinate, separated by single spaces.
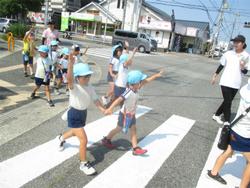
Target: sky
pixel 241 7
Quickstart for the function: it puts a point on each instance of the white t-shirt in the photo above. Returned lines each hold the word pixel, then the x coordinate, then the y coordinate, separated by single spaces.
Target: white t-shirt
pixel 242 128
pixel 64 63
pixel 232 75
pixel 50 35
pixel 43 64
pixel 130 101
pixel 81 96
pixel 53 55
pixel 122 76
pixel 115 62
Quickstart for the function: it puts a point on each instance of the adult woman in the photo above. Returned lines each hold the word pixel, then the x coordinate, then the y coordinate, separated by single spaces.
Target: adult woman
pixel 239 141
pixel 235 63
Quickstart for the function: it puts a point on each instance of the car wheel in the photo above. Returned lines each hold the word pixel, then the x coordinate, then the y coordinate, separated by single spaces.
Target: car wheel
pixel 141 49
pixel 4 30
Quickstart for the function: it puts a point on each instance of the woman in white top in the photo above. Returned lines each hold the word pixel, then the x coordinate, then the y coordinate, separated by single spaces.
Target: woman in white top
pixel 235 63
pixel 81 95
pixel 239 141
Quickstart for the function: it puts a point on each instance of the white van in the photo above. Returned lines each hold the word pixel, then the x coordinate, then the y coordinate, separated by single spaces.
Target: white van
pixel 135 39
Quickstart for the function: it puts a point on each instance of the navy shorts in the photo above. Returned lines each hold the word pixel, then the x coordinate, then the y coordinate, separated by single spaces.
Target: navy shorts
pixel 110 78
pixel 40 81
pixel 239 143
pixel 119 91
pixel 121 121
pixel 76 118
pixel 27 59
pixel 61 72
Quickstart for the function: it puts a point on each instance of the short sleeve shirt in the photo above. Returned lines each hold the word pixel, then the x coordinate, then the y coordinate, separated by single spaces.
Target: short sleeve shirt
pixel 43 64
pixel 115 62
pixel 130 101
pixel 50 35
pixel 64 63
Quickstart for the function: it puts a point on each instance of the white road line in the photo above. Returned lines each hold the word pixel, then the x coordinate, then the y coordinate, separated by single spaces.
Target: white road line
pixel 23 168
pixel 231 172
pixel 134 171
pixel 11 68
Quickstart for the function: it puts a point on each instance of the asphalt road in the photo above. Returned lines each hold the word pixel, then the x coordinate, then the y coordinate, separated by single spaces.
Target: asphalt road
pixel 184 90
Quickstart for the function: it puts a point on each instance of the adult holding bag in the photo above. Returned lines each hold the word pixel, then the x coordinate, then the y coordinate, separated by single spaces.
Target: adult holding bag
pixel 239 141
pixel 235 63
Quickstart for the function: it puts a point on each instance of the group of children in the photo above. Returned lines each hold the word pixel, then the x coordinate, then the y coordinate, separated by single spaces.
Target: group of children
pixel 125 94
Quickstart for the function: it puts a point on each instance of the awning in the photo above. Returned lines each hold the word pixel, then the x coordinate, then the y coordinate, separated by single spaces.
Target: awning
pixel 85 17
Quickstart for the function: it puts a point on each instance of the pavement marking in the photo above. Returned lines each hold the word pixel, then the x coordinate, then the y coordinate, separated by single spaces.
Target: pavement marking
pixel 231 172
pixel 136 171
pixel 11 68
pixel 21 169
pixel 6 84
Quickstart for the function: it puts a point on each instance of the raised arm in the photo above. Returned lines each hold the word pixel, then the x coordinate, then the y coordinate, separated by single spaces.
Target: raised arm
pixel 70 76
pixel 151 78
pixel 129 61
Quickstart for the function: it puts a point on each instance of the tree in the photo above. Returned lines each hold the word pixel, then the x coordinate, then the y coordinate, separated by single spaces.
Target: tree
pixel 19 8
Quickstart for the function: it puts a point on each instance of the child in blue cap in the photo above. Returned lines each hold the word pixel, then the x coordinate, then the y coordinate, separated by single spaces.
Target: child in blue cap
pixel 126 120
pixel 54 57
pixel 43 73
pixel 81 95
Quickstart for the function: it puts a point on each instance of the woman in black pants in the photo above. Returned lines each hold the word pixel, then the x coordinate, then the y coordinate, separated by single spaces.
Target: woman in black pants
pixel 236 63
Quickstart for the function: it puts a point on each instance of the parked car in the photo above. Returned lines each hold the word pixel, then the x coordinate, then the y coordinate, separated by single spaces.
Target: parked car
pixel 153 42
pixel 135 39
pixel 5 24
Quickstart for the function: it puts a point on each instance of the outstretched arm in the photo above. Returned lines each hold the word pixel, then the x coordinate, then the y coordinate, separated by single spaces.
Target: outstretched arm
pixel 118 101
pixel 129 62
pixel 100 106
pixel 151 78
pixel 70 76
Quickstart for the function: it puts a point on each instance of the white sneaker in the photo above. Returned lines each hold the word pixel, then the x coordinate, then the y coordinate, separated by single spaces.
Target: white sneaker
pixel 57 92
pixel 226 123
pixel 217 119
pixel 87 168
pixel 104 100
pixel 60 143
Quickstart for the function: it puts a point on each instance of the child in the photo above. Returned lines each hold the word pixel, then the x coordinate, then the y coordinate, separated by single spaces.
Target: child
pixel 28 52
pixel 112 73
pixel 62 71
pixel 43 73
pixel 136 80
pixel 53 55
pixel 81 94
pixel 239 141
pixel 77 53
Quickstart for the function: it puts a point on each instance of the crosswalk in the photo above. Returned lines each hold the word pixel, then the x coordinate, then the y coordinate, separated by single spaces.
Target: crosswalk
pixel 127 170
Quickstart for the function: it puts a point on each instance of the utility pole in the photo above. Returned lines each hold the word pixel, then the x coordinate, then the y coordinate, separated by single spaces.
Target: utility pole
pixel 46 13
pixel 124 14
pixel 171 37
pixel 224 6
pixel 106 23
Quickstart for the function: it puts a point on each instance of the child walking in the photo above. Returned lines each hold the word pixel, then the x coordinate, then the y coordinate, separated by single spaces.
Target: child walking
pixel 54 55
pixel 135 81
pixel 62 71
pixel 43 73
pixel 28 53
pixel 112 73
pixel 81 94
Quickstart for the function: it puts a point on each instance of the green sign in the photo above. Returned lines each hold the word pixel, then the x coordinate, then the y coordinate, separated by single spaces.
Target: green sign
pixel 64 21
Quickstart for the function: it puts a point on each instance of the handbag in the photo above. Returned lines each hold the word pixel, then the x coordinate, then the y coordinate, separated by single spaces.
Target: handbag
pixel 225 132
pixel 127 120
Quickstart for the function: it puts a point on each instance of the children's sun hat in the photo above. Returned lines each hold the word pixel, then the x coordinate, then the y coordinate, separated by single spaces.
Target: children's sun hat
pixel 65 51
pixel 245 92
pixel 81 69
pixel 115 47
pixel 123 58
pixel 53 43
pixel 135 77
pixel 43 48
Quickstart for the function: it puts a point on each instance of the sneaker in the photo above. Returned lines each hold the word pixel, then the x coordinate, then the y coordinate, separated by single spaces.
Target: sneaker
pixel 139 151
pixel 87 168
pixel 33 95
pixel 107 143
pixel 216 177
pixel 217 119
pixel 51 104
pixel 226 123
pixel 26 74
pixel 104 100
pixel 61 143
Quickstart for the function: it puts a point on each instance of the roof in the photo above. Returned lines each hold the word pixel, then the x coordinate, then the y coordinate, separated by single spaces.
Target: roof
pixel 105 11
pixel 200 25
pixel 157 11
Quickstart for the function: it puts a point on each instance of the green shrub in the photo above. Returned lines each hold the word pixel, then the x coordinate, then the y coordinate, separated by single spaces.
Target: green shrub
pixel 4 37
pixel 18 30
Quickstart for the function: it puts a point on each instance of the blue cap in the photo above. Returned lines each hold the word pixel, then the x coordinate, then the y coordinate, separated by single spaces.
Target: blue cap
pixel 123 58
pixel 115 47
pixel 81 69
pixel 53 43
pixel 43 48
pixel 65 51
pixel 135 77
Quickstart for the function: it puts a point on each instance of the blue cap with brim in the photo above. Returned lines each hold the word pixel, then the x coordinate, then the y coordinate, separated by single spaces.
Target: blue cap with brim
pixel 43 48
pixel 81 69
pixel 135 77
pixel 123 58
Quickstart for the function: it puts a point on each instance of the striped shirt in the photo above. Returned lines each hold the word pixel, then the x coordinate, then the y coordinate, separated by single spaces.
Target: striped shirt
pixel 130 101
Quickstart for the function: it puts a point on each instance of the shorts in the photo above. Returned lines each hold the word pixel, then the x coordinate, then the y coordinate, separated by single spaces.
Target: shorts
pixel 27 59
pixel 39 82
pixel 110 78
pixel 76 118
pixel 240 143
pixel 61 72
pixel 119 91
pixel 121 120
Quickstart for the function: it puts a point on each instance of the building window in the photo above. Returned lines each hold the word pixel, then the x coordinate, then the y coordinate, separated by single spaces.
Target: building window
pixel 123 4
pixel 118 3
